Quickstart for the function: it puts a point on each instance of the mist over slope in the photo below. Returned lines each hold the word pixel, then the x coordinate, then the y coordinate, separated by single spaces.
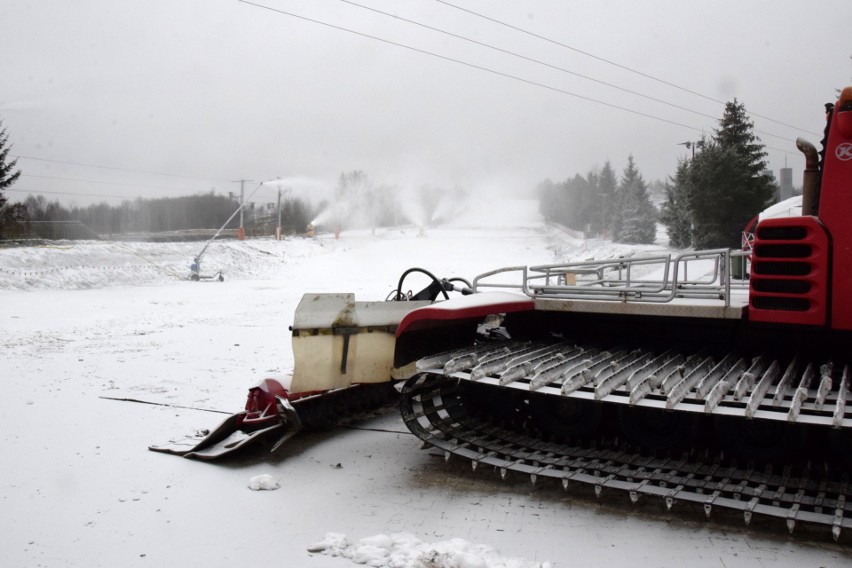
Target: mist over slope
pixel 479 237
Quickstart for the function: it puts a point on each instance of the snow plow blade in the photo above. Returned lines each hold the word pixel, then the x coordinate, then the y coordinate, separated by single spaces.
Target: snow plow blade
pixel 231 435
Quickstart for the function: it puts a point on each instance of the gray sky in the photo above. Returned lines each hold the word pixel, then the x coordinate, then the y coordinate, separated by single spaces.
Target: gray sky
pixel 218 90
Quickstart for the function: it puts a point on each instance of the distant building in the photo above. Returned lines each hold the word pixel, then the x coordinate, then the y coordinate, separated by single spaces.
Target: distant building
pixel 786 183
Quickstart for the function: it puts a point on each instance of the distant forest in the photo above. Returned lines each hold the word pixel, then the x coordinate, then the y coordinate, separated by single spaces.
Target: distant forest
pixel 707 203
pixel 201 211
pixel 600 204
pixel 357 203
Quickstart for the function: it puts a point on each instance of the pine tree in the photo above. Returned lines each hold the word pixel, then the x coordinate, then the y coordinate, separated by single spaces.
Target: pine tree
pixel 676 214
pixel 546 191
pixel 590 204
pixel 728 182
pixel 638 219
pixel 577 195
pixel 594 211
pixel 565 202
pixel 607 190
pixel 14 221
pixel 712 181
pixel 7 173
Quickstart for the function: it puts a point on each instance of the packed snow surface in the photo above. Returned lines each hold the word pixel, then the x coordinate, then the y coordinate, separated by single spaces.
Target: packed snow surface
pixel 91 328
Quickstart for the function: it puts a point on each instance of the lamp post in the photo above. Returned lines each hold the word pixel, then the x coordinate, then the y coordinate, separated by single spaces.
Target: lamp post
pixel 691 145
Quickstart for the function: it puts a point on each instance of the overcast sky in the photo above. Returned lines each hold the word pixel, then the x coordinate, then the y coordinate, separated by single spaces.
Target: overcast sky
pixel 213 91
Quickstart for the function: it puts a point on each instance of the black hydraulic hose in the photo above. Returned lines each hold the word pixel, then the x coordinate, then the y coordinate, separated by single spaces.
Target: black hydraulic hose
pixel 399 294
pixel 459 279
pixel 468 287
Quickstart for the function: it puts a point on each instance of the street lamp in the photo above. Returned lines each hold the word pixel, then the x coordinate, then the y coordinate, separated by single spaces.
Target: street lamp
pixel 692 145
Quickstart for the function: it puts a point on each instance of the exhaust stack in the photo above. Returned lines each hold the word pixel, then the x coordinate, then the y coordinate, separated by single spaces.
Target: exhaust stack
pixel 810 177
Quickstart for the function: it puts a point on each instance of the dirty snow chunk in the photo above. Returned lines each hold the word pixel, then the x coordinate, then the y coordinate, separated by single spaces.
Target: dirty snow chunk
pixel 263 482
pixel 403 550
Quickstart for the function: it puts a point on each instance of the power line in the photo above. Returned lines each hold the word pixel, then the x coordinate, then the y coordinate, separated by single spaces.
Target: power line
pixel 114 168
pixel 556 67
pixel 551 66
pixel 495 72
pixel 472 65
pixel 120 184
pixel 78 194
pixel 39 191
pixel 188 191
pixel 531 59
pixel 613 63
pixel 105 182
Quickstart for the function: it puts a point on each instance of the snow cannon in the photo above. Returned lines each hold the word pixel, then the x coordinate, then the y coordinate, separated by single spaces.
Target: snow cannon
pixel 195 272
pixel 343 352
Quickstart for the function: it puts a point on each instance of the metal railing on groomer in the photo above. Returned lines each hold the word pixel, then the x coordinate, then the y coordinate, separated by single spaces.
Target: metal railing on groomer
pixel 703 274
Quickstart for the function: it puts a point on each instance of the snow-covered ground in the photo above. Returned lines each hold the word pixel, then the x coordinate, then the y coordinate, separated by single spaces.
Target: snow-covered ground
pixel 89 320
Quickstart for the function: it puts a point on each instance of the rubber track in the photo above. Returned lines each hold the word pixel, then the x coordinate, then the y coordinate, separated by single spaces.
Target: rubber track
pixel 433 409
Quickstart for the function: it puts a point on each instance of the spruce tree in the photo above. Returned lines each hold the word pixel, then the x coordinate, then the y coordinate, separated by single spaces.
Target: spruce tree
pixel 736 132
pixel 638 223
pixel 729 184
pixel 676 214
pixel 576 194
pixel 594 211
pixel 7 173
pixel 714 182
pixel 546 191
pixel 607 188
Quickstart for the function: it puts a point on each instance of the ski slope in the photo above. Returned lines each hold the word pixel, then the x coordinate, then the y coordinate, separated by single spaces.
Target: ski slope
pixel 86 323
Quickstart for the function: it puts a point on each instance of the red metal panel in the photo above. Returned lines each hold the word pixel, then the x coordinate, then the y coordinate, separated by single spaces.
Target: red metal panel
pixel 835 208
pixel 789 272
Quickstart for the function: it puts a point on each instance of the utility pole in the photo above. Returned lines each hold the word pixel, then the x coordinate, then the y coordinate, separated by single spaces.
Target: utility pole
pixel 278 228
pixel 241 232
pixel 692 145
pixel 242 200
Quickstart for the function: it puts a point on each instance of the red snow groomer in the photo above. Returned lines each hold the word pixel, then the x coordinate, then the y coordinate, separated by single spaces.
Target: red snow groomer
pixel 655 377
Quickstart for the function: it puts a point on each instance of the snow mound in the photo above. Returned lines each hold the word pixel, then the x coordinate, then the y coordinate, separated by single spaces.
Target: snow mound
pixel 264 482
pixel 788 208
pixel 77 265
pixel 404 550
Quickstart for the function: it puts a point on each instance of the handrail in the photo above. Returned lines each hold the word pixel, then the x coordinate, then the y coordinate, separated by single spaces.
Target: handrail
pixel 660 278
